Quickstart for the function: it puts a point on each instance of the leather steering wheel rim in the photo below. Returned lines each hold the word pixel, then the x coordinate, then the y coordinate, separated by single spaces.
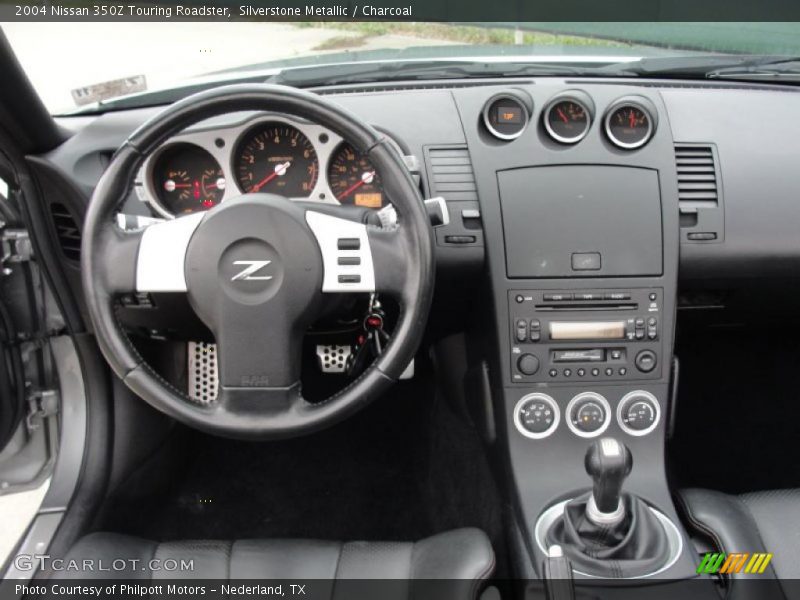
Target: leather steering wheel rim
pixel 403 263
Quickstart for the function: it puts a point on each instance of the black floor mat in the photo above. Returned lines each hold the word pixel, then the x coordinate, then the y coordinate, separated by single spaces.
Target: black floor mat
pixel 384 474
pixel 738 411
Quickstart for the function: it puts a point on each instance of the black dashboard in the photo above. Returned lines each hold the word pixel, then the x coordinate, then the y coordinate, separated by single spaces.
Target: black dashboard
pixel 737 207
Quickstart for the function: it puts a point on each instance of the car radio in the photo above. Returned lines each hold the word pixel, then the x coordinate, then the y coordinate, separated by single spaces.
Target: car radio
pixel 585 334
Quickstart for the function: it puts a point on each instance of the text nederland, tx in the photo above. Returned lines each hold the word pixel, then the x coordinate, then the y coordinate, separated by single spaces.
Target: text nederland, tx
pixel 126 589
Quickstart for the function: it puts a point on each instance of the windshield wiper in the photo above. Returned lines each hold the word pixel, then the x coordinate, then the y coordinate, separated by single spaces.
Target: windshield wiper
pixel 353 73
pixel 714 67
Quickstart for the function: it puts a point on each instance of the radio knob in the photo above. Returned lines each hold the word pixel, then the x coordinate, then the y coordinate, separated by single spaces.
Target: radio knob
pixel 528 364
pixel 645 361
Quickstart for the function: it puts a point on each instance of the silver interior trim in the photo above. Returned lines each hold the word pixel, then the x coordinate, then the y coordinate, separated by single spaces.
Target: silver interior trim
pixel 328 230
pixel 598 517
pixel 547 400
pixel 560 138
pixel 229 130
pixel 625 400
pixel 600 399
pixel 162 254
pixel 487 122
pixel 674 538
pixel 442 208
pixel 622 104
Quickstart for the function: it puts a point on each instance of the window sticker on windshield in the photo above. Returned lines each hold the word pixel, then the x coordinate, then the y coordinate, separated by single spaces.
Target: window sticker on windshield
pixel 109 89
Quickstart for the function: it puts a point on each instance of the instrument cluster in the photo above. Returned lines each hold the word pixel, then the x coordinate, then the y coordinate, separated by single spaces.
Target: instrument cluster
pixel 196 170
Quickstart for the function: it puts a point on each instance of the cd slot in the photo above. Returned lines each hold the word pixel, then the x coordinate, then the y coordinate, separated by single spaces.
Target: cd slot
pixel 572 307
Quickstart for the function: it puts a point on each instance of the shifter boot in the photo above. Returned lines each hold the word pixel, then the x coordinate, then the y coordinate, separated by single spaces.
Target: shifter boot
pixel 635 546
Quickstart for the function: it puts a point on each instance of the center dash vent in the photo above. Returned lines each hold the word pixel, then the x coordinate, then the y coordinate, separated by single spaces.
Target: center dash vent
pixel 699 193
pixel 67 231
pixel 697 175
pixel 451 172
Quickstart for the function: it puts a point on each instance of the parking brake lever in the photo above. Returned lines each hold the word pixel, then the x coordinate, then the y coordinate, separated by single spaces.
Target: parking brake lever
pixel 557 571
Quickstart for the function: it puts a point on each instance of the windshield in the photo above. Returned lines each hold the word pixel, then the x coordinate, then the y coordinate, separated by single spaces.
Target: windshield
pixel 76 64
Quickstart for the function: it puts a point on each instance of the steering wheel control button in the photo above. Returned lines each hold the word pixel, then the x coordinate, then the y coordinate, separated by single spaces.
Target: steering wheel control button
pixel 645 361
pixel 348 244
pixel 536 416
pixel 348 261
pixel 638 413
pixel 528 364
pixel 588 415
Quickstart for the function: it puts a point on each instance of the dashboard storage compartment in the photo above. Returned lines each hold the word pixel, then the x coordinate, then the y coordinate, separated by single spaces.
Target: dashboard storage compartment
pixel 581 221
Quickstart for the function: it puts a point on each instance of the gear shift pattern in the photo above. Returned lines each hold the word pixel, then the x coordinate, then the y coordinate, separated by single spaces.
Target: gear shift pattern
pixel 608 462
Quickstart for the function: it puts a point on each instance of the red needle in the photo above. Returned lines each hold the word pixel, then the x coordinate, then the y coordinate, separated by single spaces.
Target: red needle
pixel 562 115
pixel 351 189
pixel 265 181
pixel 196 190
pixel 279 170
pixel 632 119
pixel 357 185
pixel 182 185
pixel 211 186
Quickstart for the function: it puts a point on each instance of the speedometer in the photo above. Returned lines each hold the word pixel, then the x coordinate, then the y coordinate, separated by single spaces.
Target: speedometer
pixel 353 178
pixel 276 158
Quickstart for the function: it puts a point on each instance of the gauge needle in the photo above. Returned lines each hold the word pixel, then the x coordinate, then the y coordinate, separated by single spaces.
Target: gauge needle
pixel 279 170
pixel 632 120
pixel 365 178
pixel 562 115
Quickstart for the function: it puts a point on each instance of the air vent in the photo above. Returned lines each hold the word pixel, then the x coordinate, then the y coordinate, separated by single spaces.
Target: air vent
pixel 697 176
pixel 451 174
pixel 67 230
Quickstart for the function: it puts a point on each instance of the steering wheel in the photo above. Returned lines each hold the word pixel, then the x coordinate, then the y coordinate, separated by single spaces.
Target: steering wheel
pixel 257 269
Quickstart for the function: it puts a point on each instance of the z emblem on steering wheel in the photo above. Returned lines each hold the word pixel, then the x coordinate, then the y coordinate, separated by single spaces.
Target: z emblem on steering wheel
pixel 249 273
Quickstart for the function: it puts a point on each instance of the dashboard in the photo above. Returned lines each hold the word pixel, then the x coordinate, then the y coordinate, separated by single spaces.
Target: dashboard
pixel 200 168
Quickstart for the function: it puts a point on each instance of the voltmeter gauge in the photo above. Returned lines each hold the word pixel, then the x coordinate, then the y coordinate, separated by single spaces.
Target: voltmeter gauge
pixel 629 125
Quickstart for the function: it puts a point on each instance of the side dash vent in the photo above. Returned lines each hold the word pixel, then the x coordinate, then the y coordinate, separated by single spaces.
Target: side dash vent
pixel 451 172
pixel 699 192
pixel 67 231
pixel 451 176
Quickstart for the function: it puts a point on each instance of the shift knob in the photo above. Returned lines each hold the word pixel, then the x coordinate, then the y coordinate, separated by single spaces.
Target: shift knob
pixel 608 462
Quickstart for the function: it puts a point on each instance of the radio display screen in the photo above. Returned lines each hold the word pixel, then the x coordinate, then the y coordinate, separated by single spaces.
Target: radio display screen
pixel 587 330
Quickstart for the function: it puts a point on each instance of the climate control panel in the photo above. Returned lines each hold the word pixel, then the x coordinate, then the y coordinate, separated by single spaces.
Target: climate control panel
pixel 587 414
pixel 597 334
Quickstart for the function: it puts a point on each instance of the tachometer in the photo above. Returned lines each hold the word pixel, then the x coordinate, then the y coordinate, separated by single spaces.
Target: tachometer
pixel 276 158
pixel 353 178
pixel 187 179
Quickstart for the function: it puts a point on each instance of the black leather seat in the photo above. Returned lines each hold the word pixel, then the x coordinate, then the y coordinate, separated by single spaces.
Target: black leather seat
pixel 461 554
pixel 757 522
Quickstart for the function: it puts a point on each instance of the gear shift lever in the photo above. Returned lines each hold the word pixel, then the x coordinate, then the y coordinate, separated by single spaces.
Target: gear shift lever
pixel 608 462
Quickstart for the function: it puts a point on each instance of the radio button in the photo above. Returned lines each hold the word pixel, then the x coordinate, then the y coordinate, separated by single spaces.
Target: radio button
pixel 536 324
pixel 528 364
pixel 567 372
pixel 640 334
pixel 617 296
pixel 609 371
pixel 581 372
pixel 588 296
pixel 552 373
pixel 595 372
pixel 623 371
pixel 557 297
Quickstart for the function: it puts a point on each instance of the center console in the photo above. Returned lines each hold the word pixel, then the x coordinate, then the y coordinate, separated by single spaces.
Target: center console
pixel 580 219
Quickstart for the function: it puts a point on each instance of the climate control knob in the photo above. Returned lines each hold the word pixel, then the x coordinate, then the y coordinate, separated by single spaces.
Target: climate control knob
pixel 588 414
pixel 528 364
pixel 536 415
pixel 638 413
